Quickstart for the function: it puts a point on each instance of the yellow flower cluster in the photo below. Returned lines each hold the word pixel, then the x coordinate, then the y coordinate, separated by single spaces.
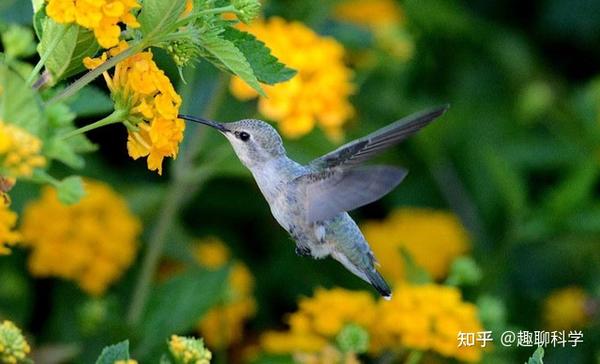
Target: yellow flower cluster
pixel 19 151
pixel 143 90
pixel 8 219
pixel 187 350
pixel 91 242
pixel 566 308
pixel 432 238
pixel 317 94
pixel 100 16
pixel 385 18
pixel 13 346
pixel 426 317
pixel 319 319
pixel 223 324
pixel 328 355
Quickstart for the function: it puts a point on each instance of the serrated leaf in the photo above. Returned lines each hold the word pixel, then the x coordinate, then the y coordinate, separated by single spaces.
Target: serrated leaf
pixel 537 357
pixel 229 56
pixel 70 190
pixel 266 67
pixel 196 291
pixel 19 104
pixel 156 15
pixel 67 57
pixel 112 353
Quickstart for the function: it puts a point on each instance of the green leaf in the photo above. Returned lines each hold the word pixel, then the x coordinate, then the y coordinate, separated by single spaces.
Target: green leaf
pixel 574 191
pixel 75 44
pixel 224 54
pixel 266 67
pixel 19 104
pixel 196 291
pixel 509 182
pixel 414 273
pixel 537 357
pixel 89 102
pixel 70 190
pixel 18 41
pixel 156 15
pixel 112 353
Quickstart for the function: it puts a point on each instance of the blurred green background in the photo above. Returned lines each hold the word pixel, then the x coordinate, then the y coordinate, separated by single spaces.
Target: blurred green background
pixel 516 158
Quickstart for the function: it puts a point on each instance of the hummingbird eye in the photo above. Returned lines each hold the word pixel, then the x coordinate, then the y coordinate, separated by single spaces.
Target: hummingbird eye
pixel 243 136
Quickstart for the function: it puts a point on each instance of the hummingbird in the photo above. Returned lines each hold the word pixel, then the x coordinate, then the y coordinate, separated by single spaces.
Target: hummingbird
pixel 311 202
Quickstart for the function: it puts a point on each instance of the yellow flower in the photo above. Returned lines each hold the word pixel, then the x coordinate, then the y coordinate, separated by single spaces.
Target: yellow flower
pixel 13 346
pixel 143 90
pixel 328 355
pixel 100 16
pixel 427 317
pixel 319 319
pixel 566 308
pixel 211 253
pixel 223 324
pixel 433 239
pixel 8 237
pixel 370 13
pixel 19 151
pixel 91 242
pixel 187 350
pixel 385 18
pixel 129 361
pixel 318 94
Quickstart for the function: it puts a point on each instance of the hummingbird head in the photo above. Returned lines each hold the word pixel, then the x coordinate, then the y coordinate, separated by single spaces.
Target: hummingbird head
pixel 254 141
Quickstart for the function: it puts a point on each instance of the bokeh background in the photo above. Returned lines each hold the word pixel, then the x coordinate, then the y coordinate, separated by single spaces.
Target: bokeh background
pixel 501 203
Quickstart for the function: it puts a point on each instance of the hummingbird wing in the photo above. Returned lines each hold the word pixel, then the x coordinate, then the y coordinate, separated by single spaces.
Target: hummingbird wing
pixel 360 150
pixel 333 191
pixel 338 184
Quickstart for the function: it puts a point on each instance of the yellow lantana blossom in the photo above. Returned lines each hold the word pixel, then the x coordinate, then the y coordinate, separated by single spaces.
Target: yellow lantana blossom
pixel 432 238
pixel 143 90
pixel 319 319
pixel 19 151
pixel 8 236
pixel 426 317
pixel 13 346
pixel 91 242
pixel 223 324
pixel 318 94
pixel 100 16
pixel 567 308
pixel 385 18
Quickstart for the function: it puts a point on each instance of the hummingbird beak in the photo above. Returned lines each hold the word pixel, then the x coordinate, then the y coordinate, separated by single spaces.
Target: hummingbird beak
pixel 220 127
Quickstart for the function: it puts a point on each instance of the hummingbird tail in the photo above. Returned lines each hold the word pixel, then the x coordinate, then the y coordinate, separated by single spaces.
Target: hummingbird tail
pixel 368 274
pixel 379 284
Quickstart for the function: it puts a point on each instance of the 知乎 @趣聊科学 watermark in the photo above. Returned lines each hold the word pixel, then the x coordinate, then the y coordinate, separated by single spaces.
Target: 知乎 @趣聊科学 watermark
pixel 522 338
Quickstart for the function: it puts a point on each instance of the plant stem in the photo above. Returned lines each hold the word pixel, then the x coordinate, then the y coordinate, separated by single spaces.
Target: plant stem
pixel 44 57
pixel 414 357
pixel 91 75
pixel 116 117
pixel 179 189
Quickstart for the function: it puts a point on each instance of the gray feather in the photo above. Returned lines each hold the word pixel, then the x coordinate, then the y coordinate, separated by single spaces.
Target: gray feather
pixel 330 192
pixel 360 150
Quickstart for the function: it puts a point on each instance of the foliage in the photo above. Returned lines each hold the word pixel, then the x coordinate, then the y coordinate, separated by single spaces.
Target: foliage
pixel 495 228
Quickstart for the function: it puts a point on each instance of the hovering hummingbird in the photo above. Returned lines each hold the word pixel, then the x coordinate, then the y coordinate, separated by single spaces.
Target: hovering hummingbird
pixel 311 201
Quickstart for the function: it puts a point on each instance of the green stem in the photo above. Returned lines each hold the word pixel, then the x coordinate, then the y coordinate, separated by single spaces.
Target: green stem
pixel 223 9
pixel 179 189
pixel 91 75
pixel 116 117
pixel 44 57
pixel 414 357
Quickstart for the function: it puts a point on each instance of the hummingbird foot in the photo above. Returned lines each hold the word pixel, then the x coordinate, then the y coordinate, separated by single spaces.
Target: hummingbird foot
pixel 303 251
